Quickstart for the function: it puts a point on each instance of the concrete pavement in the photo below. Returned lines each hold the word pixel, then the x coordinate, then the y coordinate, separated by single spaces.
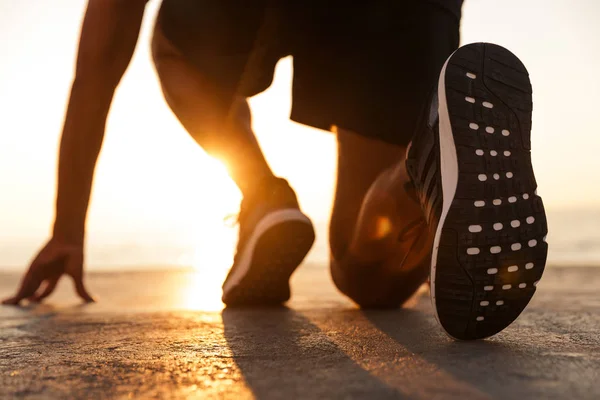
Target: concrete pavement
pixel 163 335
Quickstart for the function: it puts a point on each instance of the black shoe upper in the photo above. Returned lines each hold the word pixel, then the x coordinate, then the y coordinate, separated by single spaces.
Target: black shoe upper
pixel 270 195
pixel 423 165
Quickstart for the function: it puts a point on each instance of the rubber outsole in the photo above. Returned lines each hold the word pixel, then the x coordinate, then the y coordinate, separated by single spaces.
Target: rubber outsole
pixel 492 249
pixel 277 253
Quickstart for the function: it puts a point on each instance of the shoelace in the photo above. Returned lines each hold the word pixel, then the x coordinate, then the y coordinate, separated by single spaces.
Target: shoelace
pixel 231 220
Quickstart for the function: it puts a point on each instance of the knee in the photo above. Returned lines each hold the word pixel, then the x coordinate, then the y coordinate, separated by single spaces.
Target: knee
pixel 193 98
pixel 356 280
pixel 362 283
pixel 166 62
pixel 185 90
pixel 388 283
pixel 376 286
pixel 342 225
pixel 365 285
pixel 338 242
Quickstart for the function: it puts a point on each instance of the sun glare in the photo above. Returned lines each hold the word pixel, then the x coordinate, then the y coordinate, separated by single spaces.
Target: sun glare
pixel 203 291
pixel 215 240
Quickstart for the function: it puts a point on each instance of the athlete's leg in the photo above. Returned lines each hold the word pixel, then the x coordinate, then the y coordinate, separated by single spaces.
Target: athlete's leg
pixel 222 130
pixel 198 83
pixel 378 237
pixel 371 69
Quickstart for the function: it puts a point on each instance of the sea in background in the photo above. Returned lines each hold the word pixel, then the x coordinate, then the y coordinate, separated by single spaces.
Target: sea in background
pixel 155 212
pixel 574 240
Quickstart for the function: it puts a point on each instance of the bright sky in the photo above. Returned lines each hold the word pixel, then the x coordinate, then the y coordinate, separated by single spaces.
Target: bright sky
pixel 173 196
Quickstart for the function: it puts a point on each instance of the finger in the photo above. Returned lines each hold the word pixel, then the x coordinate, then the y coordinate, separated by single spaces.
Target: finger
pixel 81 290
pixel 31 283
pixel 42 287
pixel 11 301
pixel 74 268
pixel 77 275
pixel 50 286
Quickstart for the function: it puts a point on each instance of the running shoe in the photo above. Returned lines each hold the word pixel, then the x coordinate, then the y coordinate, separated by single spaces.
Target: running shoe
pixel 474 178
pixel 274 238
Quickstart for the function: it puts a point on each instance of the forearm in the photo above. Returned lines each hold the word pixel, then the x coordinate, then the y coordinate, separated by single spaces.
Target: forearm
pixel 80 146
pixel 108 38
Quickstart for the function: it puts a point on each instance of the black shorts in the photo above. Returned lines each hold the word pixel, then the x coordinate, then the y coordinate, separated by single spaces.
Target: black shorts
pixel 363 65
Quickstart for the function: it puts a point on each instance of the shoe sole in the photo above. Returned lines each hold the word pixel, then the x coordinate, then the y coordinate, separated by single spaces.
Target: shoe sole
pixel 276 247
pixel 490 244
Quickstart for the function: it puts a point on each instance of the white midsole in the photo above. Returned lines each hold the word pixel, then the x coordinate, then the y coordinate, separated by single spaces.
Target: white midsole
pixel 449 174
pixel 269 221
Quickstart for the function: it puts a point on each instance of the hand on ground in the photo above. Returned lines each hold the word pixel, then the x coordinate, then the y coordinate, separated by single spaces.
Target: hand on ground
pixel 52 262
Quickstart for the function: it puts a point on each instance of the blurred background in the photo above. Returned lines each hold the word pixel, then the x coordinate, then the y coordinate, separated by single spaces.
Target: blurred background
pixel 167 207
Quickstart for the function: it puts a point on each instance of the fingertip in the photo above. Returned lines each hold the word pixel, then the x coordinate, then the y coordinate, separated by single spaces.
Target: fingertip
pixel 11 301
pixel 89 299
pixel 82 292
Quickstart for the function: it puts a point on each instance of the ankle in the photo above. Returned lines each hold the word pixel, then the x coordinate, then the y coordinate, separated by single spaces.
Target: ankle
pixel 257 185
pixel 272 189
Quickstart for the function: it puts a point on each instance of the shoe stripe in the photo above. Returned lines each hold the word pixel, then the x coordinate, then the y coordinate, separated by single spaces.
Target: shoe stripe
pixel 449 181
pixel 427 147
pixel 433 205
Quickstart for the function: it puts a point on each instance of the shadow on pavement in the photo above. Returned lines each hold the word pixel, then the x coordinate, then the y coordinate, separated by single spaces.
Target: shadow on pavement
pixel 283 355
pixel 482 364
